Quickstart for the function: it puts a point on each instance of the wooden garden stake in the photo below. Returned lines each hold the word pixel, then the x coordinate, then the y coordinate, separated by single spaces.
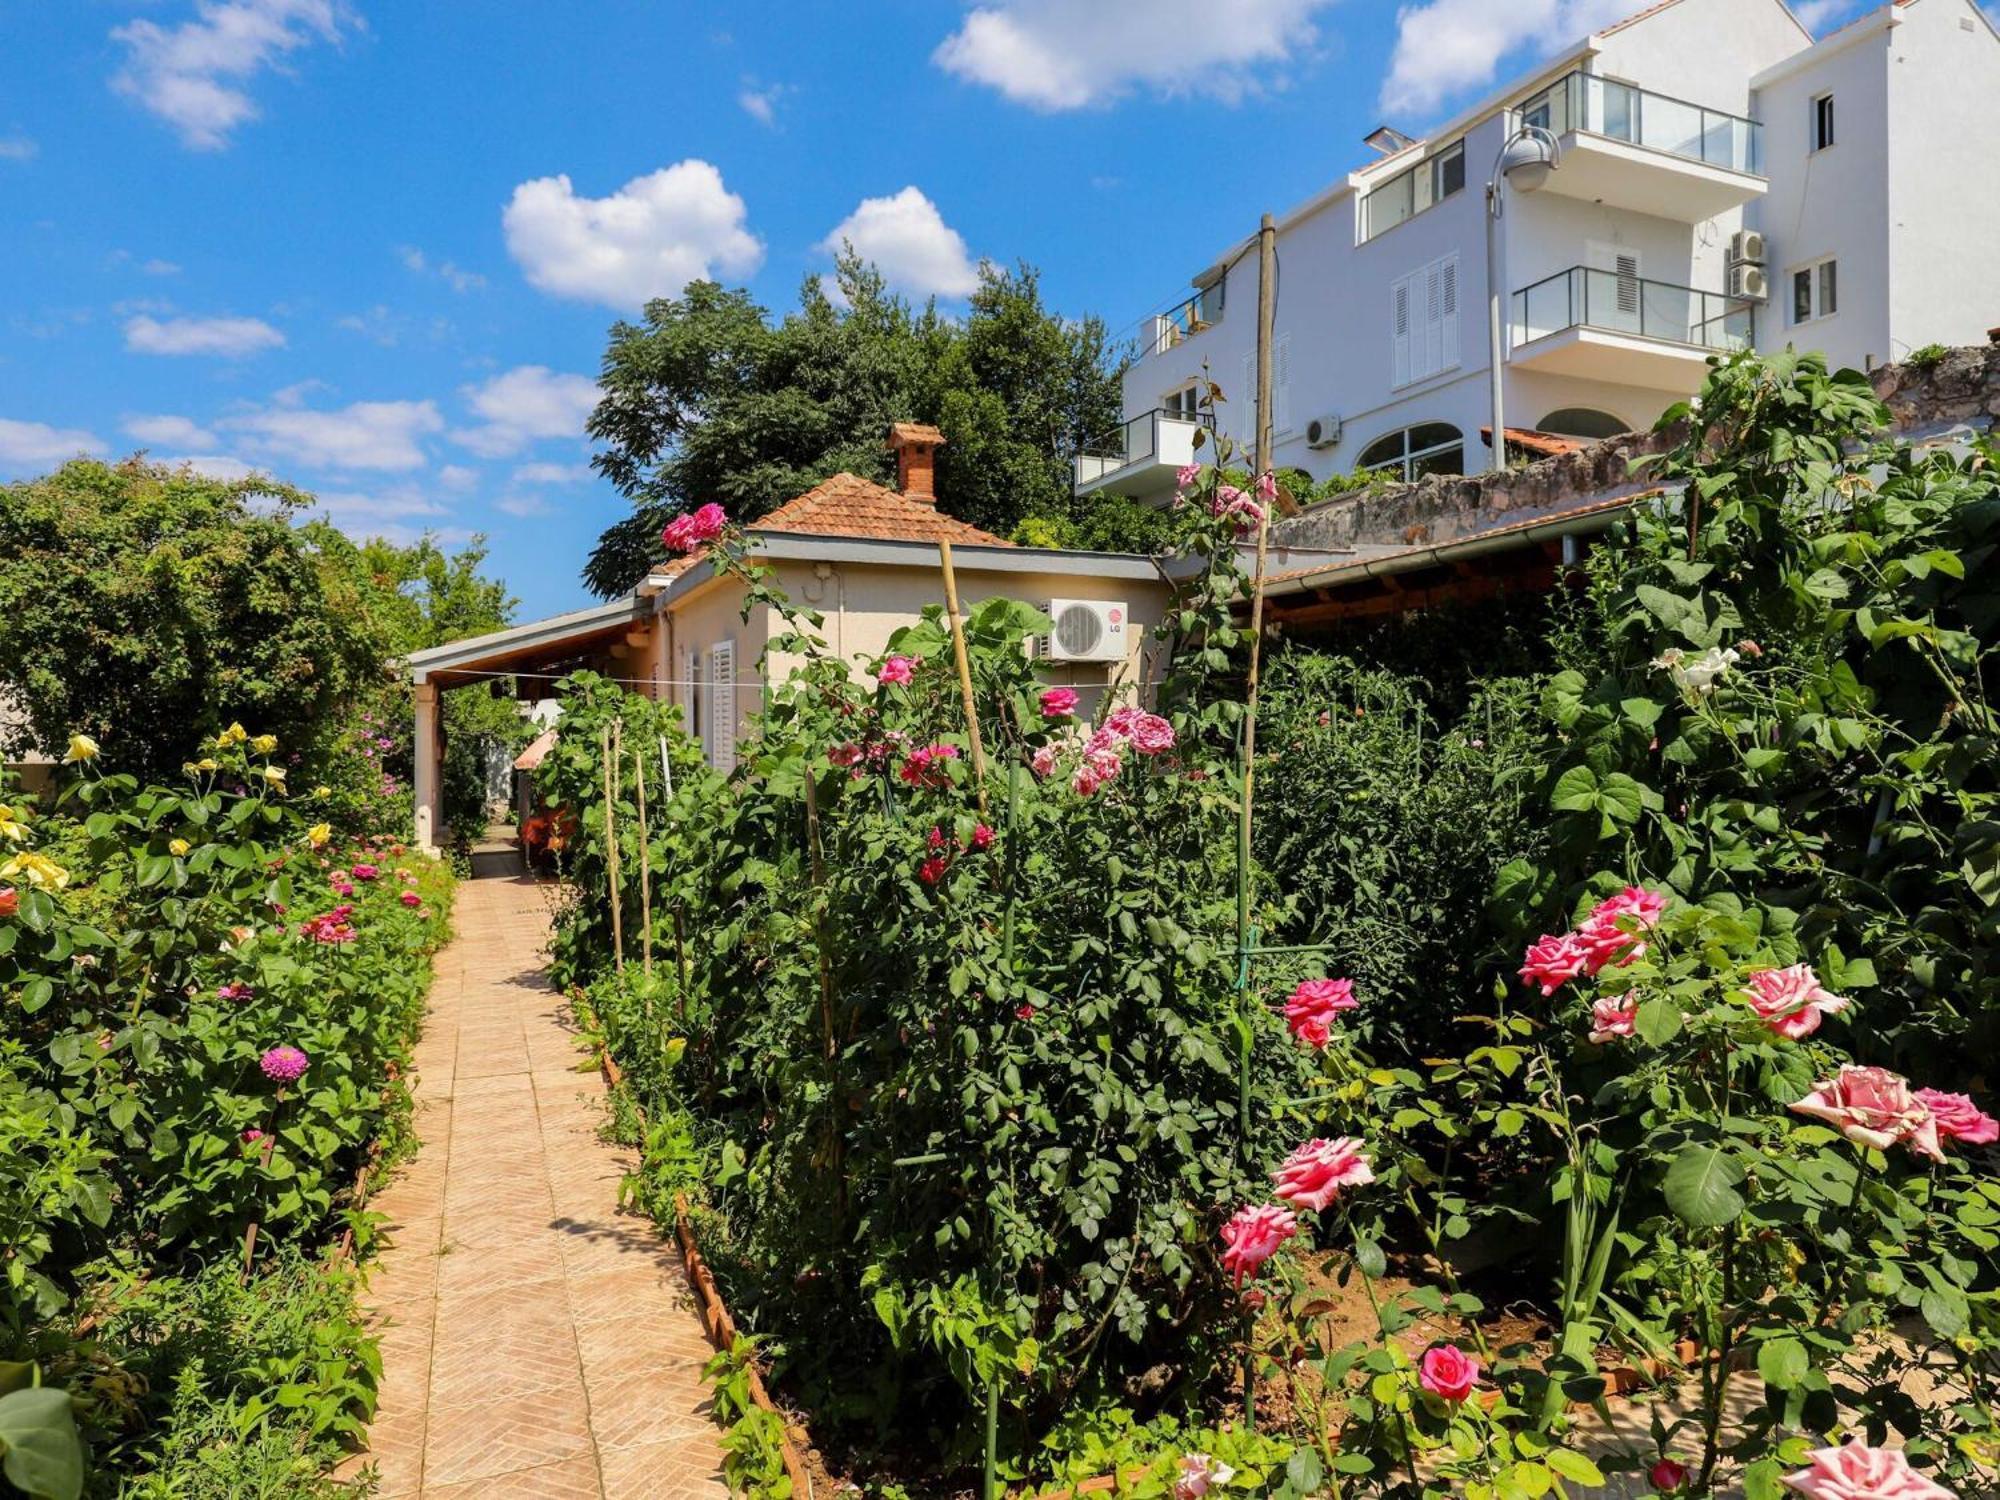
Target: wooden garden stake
pixel 645 866
pixel 964 672
pixel 610 743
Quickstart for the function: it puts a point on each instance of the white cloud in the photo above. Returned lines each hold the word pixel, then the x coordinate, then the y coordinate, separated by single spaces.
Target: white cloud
pixel 213 465
pixel 194 75
pixel 401 513
pixel 1066 54
pixel 522 505
pixel 553 474
pixel 36 445
pixel 1446 46
pixel 231 338
pixel 1814 14
pixel 168 432
pixel 158 267
pixel 453 276
pixel 365 435
pixel 17 148
pixel 526 403
pixel 908 239
pixel 649 239
pixel 457 477
pixel 761 104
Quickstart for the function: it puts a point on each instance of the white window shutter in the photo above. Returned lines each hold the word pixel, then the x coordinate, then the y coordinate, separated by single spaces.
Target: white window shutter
pixel 722 672
pixel 1281 382
pixel 1449 326
pixel 1433 355
pixel 1399 331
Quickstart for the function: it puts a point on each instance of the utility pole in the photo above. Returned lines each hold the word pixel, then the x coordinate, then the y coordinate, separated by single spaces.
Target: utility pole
pixel 1267 308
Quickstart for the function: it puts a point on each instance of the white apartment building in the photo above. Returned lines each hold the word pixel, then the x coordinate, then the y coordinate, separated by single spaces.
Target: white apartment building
pixel 1724 180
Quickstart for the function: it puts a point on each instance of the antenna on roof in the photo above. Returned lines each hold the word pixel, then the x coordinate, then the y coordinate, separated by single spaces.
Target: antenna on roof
pixel 1388 140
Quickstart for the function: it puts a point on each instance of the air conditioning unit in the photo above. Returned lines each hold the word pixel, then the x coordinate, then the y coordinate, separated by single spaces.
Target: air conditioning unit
pixel 1746 247
pixel 1323 432
pixel 1749 282
pixel 1085 630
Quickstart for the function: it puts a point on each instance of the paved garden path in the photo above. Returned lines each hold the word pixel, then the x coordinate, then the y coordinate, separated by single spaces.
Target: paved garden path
pixel 536 1342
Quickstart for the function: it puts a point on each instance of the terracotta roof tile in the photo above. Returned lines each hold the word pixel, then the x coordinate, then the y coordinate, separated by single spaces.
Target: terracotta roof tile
pixel 1529 440
pixel 914 432
pixel 848 505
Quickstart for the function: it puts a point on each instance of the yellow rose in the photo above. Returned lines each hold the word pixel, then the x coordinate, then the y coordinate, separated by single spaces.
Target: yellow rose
pixel 235 734
pixel 322 790
pixel 264 744
pixel 318 834
pixel 81 748
pixel 35 869
pixel 12 829
pixel 275 775
pixel 178 848
pixel 206 763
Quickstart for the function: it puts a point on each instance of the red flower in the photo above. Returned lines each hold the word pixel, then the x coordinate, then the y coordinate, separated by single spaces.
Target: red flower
pixel 1668 1475
pixel 1024 1012
pixel 10 902
pixel 982 837
pixel 932 870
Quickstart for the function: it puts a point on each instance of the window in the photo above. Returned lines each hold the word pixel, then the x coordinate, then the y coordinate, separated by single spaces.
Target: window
pixel 1822 122
pixel 719 737
pixel 1423 322
pixel 1281 394
pixel 1581 422
pixel 1410 192
pixel 1184 403
pixel 1815 291
pixel 1428 448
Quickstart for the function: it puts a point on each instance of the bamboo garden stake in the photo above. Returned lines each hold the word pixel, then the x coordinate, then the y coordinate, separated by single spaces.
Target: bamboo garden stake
pixel 964 672
pixel 645 866
pixel 611 743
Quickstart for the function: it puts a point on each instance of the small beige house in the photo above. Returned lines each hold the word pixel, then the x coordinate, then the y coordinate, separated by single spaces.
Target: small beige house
pixel 865 556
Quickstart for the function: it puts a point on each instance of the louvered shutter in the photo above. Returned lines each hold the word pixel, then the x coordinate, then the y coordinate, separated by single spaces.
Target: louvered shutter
pixel 722 675
pixel 1448 335
pixel 1433 356
pixel 1399 331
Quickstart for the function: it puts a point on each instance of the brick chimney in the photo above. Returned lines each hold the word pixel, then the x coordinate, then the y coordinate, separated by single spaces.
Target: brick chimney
pixel 916 446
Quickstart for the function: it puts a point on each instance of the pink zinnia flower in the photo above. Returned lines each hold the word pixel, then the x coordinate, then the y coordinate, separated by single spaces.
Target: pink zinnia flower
pixel 283 1064
pixel 1791 1000
pixel 252 1135
pixel 1314 1174
pixel 1058 702
pixel 1044 761
pixel 364 872
pixel 411 898
pixel 1311 1008
pixel 1613 1018
pixel 1253 1237
pixel 233 992
pixel 1553 962
pixel 1152 735
pixel 1875 1108
pixel 897 670
pixel 1959 1119
pixel 1448 1373
pixel 1859 1472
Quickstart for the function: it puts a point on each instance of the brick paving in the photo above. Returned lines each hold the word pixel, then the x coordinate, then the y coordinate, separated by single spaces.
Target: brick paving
pixel 536 1342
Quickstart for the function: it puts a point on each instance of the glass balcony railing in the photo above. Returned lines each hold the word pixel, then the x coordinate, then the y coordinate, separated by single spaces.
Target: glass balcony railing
pixel 1611 300
pixel 1184 320
pixel 1603 106
pixel 1158 435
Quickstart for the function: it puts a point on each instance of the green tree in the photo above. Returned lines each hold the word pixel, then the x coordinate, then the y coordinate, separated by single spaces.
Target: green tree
pixel 151 606
pixel 708 399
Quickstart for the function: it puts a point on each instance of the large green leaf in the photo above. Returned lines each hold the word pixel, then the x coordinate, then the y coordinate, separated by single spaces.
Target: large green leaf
pixel 38 1435
pixel 1701 1186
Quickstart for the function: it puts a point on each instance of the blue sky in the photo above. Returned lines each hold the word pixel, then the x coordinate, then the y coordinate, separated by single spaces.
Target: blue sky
pixel 374 246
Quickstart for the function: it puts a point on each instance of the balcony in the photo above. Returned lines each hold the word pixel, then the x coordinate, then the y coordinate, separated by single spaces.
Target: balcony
pixel 1633 149
pixel 1178 324
pixel 1624 330
pixel 1140 458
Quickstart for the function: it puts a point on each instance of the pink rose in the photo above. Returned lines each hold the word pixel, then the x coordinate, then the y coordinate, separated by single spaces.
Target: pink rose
pixel 686 532
pixel 1311 1008
pixel 1875 1108
pixel 1253 1237
pixel 1859 1472
pixel 1198 1474
pixel 10 902
pixel 1448 1373
pixel 1613 1018
pixel 1233 503
pixel 1959 1119
pixel 1314 1174
pixel 1607 934
pixel 1553 962
pixel 1152 735
pixel 1058 702
pixel 924 765
pixel 898 670
pixel 1668 1475
pixel 1187 476
pixel 1267 486
pixel 1044 761
pixel 1086 781
pixel 1791 1001
pixel 844 755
